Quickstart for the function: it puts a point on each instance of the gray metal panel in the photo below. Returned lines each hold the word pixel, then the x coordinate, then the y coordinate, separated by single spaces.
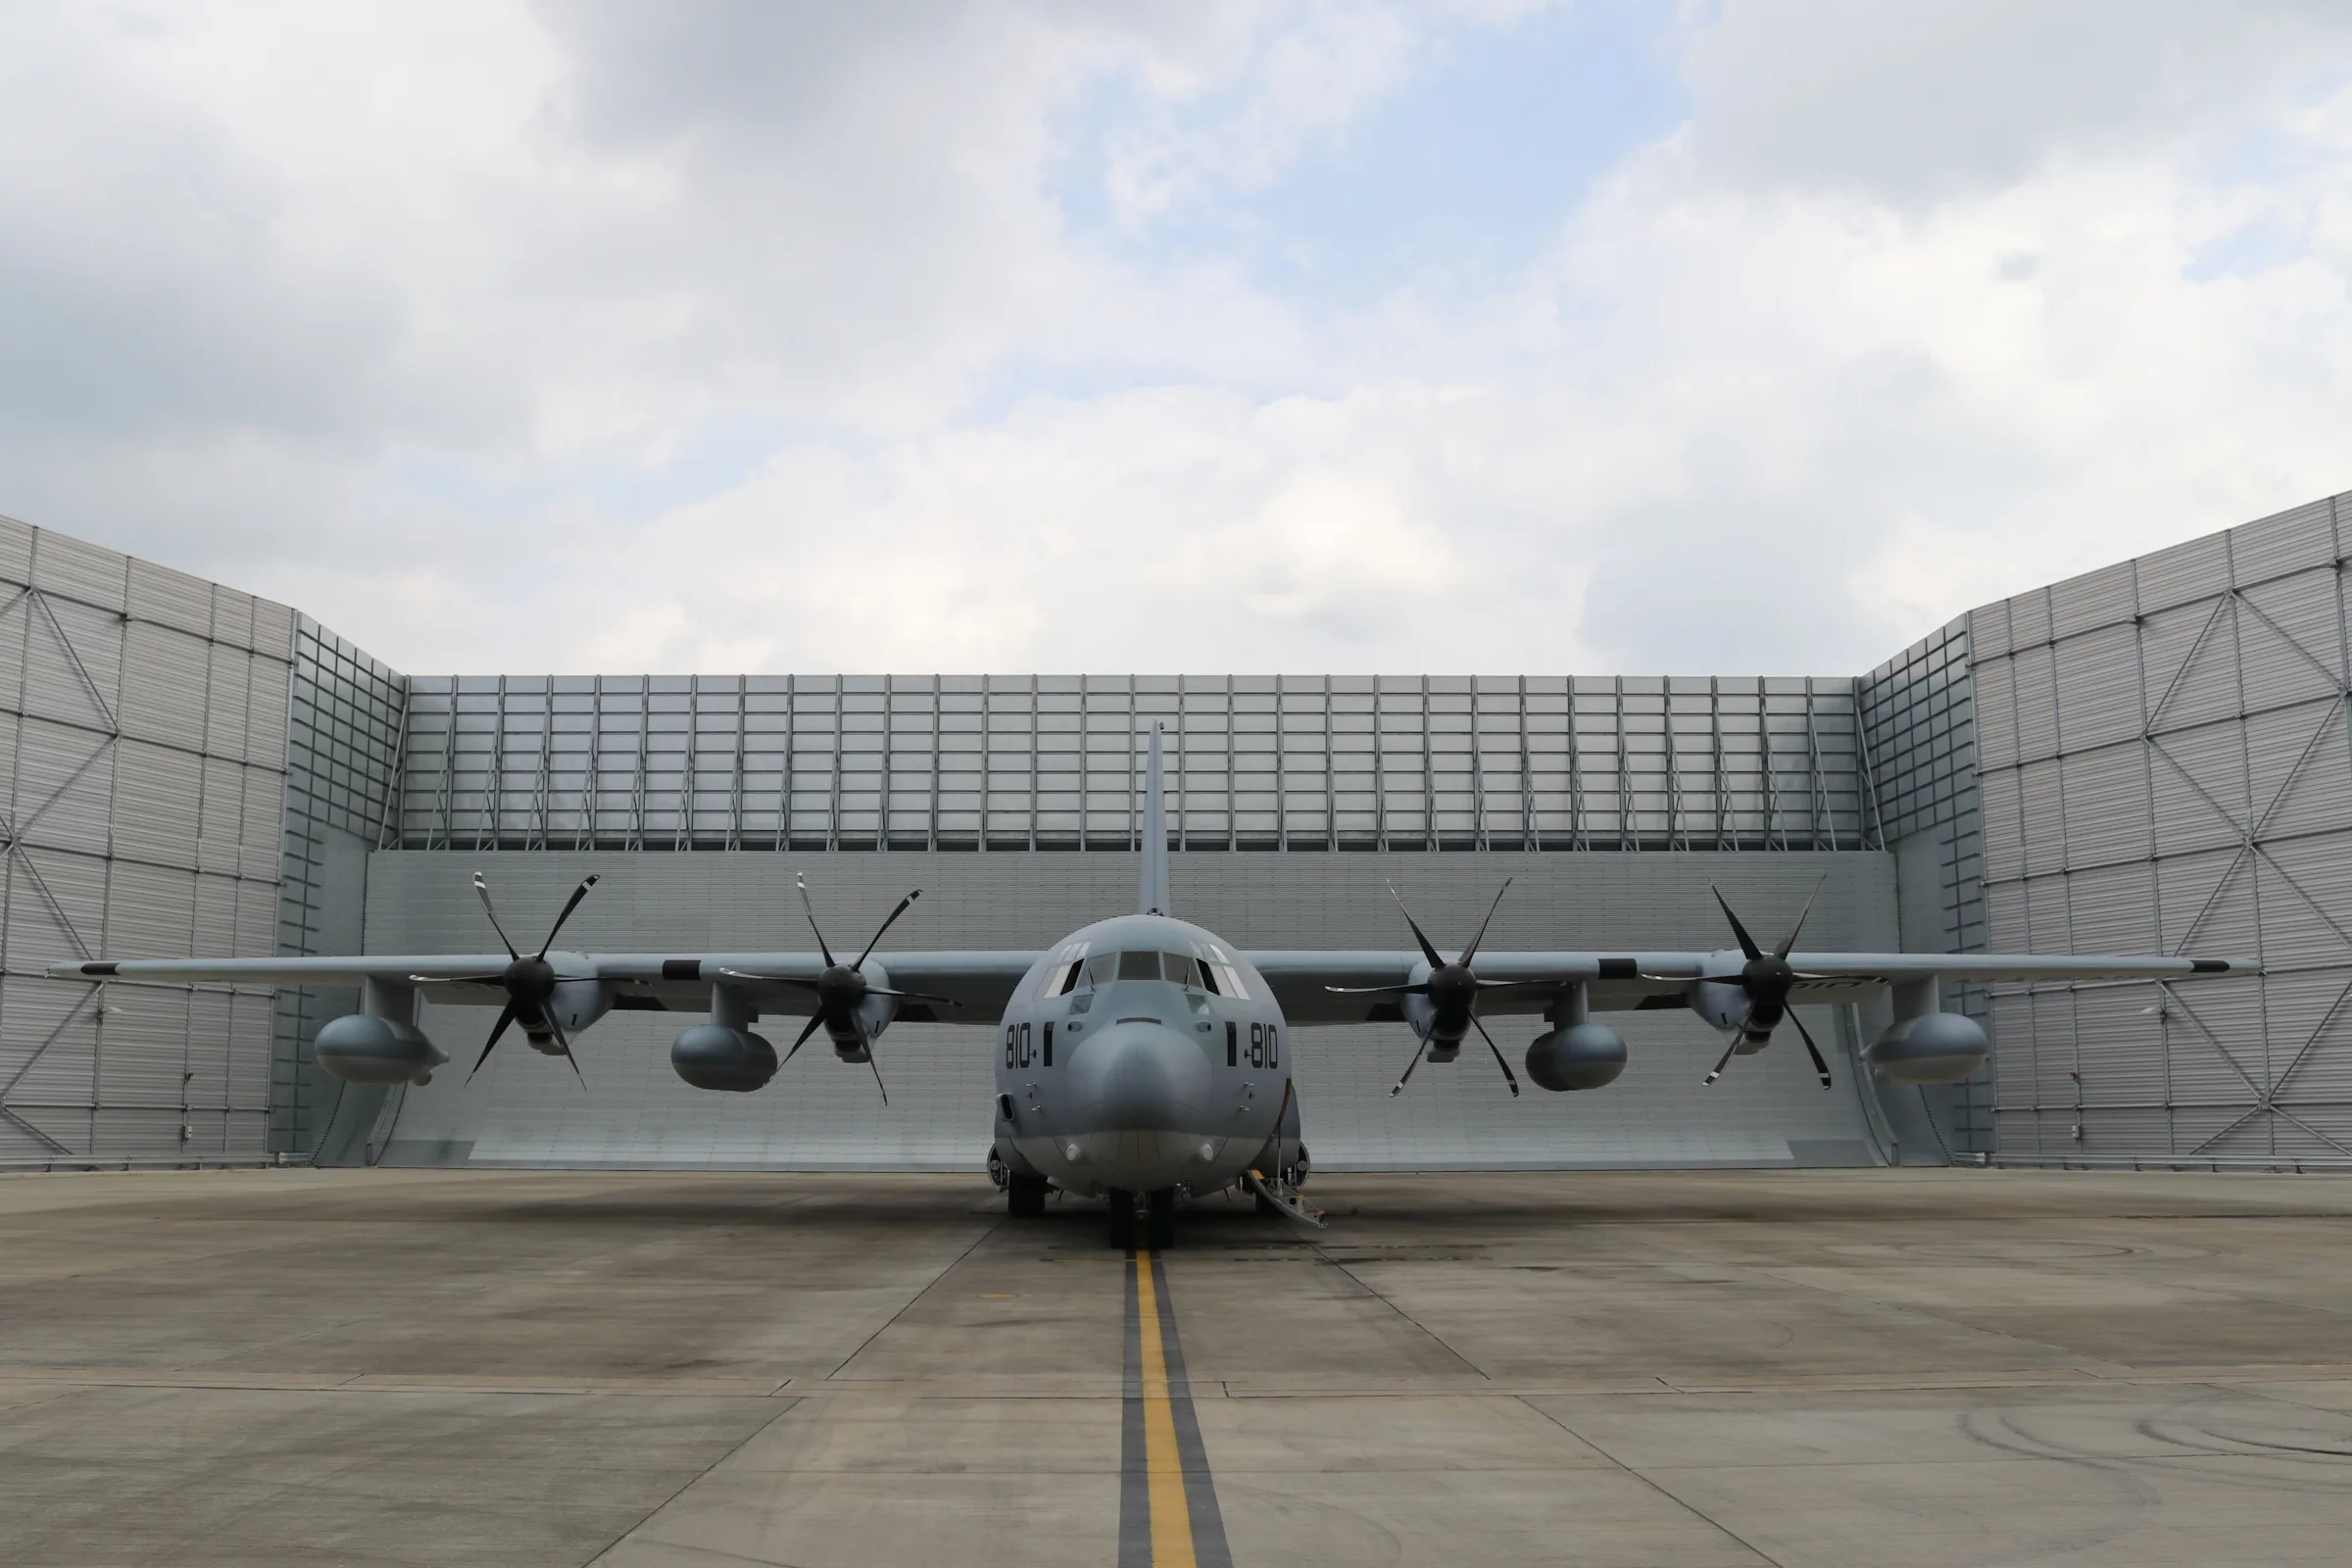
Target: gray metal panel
pixel 2097 679
pixel 2284 542
pixel 2102 598
pixel 157 803
pixel 164 674
pixel 108 832
pixel 72 569
pixel 171 599
pixel 16 550
pixel 2106 805
pixel 2183 573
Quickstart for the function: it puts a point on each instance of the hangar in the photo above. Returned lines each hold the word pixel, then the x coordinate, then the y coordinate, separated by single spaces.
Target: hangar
pixel 2140 759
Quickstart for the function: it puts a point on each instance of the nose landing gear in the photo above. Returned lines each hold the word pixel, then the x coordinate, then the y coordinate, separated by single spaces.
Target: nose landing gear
pixel 1158 1213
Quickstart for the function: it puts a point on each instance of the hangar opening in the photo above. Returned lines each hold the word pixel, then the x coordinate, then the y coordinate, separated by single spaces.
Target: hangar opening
pixel 2144 759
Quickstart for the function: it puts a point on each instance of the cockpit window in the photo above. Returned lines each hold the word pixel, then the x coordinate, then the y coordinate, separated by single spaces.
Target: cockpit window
pixel 1179 968
pixel 1102 968
pixel 1139 965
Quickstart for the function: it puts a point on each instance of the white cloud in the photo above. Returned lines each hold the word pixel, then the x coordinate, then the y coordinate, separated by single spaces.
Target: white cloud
pixel 731 337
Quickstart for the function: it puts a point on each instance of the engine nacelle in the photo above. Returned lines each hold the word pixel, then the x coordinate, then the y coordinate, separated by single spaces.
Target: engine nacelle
pixel 363 1048
pixel 1584 1055
pixel 1724 1005
pixel 710 1055
pixel 1935 1048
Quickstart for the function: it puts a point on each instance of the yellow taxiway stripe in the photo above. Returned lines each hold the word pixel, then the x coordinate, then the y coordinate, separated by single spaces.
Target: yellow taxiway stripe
pixel 1171 1516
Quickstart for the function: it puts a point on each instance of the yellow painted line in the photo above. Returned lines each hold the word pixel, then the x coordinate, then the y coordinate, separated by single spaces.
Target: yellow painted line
pixel 1171 1515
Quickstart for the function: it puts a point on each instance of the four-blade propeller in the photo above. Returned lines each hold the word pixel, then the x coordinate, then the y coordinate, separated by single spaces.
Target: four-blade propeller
pixel 1452 987
pixel 530 983
pixel 1452 991
pixel 842 989
pixel 1767 979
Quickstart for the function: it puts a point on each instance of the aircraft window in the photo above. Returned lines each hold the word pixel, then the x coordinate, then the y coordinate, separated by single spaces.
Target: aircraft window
pixel 1139 965
pixel 1102 968
pixel 1179 968
pixel 1062 984
pixel 1209 979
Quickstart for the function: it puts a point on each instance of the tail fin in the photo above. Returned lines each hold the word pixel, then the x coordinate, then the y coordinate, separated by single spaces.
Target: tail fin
pixel 1154 899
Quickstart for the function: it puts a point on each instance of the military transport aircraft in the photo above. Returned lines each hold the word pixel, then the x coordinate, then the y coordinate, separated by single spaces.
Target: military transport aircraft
pixel 1143 1058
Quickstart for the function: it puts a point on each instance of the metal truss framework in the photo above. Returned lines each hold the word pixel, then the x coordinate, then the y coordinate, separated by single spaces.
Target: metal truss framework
pixel 1043 762
pixel 145 749
pixel 2166 765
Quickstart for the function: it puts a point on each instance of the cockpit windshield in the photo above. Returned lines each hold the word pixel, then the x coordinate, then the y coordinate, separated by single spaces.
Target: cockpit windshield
pixel 1102 968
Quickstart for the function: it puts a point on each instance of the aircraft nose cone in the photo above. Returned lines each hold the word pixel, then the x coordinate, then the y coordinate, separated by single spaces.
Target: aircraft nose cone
pixel 1141 1077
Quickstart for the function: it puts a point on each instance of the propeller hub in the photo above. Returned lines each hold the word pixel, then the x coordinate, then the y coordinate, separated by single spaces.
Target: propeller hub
pixel 840 989
pixel 530 982
pixel 1452 987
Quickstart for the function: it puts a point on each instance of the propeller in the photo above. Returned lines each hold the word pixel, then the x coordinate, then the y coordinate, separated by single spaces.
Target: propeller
pixel 1452 991
pixel 842 989
pixel 530 983
pixel 1767 979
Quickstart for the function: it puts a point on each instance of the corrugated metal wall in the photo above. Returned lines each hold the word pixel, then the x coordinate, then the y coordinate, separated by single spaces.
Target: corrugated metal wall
pixel 526 1109
pixel 1054 762
pixel 2165 767
pixel 144 716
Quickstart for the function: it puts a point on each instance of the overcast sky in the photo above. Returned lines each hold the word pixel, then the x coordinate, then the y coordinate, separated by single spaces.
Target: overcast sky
pixel 1760 335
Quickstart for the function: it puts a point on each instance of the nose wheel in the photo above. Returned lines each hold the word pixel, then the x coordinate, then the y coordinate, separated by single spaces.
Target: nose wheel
pixel 1024 1196
pixel 1156 1211
pixel 1159 1220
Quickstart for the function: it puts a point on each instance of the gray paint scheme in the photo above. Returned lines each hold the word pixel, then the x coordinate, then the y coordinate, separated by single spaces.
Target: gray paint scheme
pixel 821 1115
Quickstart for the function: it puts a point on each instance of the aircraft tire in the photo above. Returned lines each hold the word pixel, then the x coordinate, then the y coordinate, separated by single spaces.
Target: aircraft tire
pixel 1024 1196
pixel 1159 1220
pixel 1121 1205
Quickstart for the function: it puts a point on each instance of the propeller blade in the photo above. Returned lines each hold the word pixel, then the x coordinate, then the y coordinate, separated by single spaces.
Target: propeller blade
pixel 877 1067
pixel 1789 940
pixel 1429 949
pixel 1507 985
pixel 802 883
pixel 1507 1076
pixel 569 904
pixel 911 996
pixel 1724 1060
pixel 771 979
pixel 1471 952
pixel 904 905
pixel 1399 1087
pixel 1820 1066
pixel 481 891
pixel 814 1019
pixel 557 1029
pixel 1747 944
pixel 504 1019
pixel 1421 990
pixel 455 979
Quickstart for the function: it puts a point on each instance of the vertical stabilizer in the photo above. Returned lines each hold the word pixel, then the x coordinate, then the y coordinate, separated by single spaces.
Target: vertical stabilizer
pixel 1154 899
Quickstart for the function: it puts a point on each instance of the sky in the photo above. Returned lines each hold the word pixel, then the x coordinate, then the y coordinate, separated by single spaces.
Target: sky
pixel 1695 336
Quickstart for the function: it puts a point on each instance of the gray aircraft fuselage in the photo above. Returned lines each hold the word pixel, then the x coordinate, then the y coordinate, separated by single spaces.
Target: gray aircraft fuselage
pixel 1143 1054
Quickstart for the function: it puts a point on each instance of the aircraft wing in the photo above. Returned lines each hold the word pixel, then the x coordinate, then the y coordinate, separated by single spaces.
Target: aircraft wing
pixel 977 984
pixel 1624 981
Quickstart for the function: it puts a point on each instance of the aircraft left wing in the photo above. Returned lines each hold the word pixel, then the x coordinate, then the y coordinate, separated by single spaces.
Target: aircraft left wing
pixel 1303 980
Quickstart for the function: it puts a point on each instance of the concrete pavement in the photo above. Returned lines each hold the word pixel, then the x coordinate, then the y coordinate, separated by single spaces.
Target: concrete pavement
pixel 1803 1368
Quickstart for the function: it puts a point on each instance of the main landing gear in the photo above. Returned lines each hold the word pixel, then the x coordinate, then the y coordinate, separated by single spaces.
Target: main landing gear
pixel 1158 1212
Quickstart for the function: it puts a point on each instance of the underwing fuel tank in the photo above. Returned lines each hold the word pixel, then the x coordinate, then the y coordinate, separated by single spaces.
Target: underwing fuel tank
pixel 1584 1055
pixel 711 1056
pixel 1935 1048
pixel 360 1047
